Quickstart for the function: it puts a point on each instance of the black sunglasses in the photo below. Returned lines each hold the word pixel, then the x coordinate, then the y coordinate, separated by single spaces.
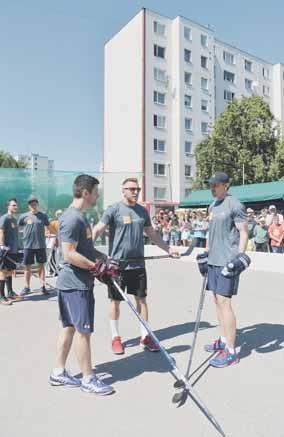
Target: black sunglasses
pixel 132 189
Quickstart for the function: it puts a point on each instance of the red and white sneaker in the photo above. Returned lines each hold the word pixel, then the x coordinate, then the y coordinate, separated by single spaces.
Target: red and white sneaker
pixel 148 343
pixel 117 346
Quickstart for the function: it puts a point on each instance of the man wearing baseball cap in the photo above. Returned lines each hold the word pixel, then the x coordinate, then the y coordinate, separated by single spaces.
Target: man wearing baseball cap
pixel 272 212
pixel 33 223
pixel 226 259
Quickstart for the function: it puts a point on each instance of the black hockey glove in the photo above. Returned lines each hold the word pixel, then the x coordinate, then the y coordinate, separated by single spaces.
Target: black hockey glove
pixel 202 261
pixel 236 266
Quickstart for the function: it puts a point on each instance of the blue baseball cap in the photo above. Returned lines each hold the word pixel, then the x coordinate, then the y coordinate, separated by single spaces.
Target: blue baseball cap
pixel 218 178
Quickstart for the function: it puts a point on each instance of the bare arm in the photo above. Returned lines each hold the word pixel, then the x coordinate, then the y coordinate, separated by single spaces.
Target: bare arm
pixel 243 230
pixel 1 237
pixel 98 230
pixel 73 257
pixel 156 238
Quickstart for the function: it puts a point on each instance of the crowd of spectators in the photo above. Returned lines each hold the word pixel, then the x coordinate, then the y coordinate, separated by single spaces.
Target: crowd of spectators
pixel 266 228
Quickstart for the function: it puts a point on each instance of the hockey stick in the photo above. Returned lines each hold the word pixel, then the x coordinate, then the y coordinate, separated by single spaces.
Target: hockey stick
pixel 175 371
pixel 146 258
pixel 180 384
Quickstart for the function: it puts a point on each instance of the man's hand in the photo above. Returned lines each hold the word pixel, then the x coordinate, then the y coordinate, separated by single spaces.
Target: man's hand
pixel 105 269
pixel 202 261
pixel 236 266
pixel 173 252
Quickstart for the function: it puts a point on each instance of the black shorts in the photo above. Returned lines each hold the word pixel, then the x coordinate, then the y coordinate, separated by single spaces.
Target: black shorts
pixel 133 281
pixel 219 284
pixel 77 309
pixel 8 263
pixel 32 255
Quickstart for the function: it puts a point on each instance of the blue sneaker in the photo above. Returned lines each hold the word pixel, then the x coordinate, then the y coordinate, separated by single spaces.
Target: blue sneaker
pixel 24 291
pixel 216 346
pixel 64 379
pixel 224 359
pixel 95 385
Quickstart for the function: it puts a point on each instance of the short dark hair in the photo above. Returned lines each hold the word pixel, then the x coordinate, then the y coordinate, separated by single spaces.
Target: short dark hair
pixel 135 180
pixel 13 199
pixel 84 182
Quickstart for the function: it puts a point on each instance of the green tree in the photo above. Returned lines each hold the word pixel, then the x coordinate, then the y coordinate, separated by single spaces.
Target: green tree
pixel 245 142
pixel 7 161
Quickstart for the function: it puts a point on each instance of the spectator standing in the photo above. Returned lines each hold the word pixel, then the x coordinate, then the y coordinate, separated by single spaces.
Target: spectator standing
pixel 272 212
pixel 200 226
pixel 276 234
pixel 261 236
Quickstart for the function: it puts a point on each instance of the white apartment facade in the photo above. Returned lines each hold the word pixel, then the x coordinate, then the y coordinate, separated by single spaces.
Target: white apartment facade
pixel 166 80
pixel 36 162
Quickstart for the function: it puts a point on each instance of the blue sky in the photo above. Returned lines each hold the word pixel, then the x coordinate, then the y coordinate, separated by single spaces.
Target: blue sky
pixel 51 65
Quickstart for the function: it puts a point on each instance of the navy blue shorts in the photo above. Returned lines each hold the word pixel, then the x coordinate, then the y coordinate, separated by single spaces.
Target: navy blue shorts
pixel 133 281
pixel 219 284
pixel 34 255
pixel 77 309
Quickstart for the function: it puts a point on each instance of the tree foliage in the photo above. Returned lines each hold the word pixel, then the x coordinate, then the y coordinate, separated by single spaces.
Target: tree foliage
pixel 245 141
pixel 7 161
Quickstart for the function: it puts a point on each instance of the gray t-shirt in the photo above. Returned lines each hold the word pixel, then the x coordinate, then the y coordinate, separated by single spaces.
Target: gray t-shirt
pixel 75 228
pixel 34 231
pixel 223 235
pixel 126 226
pixel 10 229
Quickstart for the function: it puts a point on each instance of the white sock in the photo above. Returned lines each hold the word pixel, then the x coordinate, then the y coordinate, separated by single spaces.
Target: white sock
pixel 232 350
pixel 144 331
pixel 114 328
pixel 57 371
pixel 223 339
pixel 88 378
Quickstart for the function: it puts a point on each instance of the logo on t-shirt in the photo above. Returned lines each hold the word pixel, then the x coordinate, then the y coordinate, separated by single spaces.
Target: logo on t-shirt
pixel 88 233
pixel 126 219
pixel 29 222
pixel 13 225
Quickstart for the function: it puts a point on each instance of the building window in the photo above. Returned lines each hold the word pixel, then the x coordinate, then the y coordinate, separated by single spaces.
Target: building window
pixel 159 28
pixel 229 77
pixel 188 124
pixel 204 62
pixel 204 84
pixel 204 40
pixel 229 58
pixel 187 33
pixel 159 145
pixel 187 192
pixel 160 193
pixel 228 95
pixel 160 121
pixel 266 91
pixel 160 75
pixel 159 98
pixel 159 51
pixel 159 169
pixel 188 148
pixel 187 101
pixel 204 127
pixel 187 171
pixel 248 84
pixel 248 65
pixel 204 105
pixel 188 78
pixel 187 55
pixel 266 73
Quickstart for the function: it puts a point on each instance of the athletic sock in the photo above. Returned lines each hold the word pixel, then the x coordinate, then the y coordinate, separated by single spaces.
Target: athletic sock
pixel 232 350
pixel 144 332
pixel 9 285
pixel 88 378
pixel 114 328
pixel 58 371
pixel 2 288
pixel 223 339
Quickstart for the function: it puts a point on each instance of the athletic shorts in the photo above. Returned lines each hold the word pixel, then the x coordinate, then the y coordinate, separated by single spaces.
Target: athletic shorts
pixel 132 281
pixel 219 284
pixel 34 255
pixel 8 263
pixel 77 309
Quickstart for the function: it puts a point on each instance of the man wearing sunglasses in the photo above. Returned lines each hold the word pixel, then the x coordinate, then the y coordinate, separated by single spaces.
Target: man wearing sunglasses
pixel 128 221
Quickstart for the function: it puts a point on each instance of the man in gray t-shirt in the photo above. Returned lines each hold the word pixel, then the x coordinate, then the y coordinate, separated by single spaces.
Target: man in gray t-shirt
pixel 227 241
pixel 127 222
pixel 33 223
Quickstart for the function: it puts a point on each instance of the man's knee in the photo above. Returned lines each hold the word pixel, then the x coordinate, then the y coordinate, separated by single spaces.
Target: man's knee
pixel 223 302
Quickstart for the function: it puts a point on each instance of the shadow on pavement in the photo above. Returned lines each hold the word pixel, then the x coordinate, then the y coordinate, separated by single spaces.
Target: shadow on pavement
pixel 38 297
pixel 262 338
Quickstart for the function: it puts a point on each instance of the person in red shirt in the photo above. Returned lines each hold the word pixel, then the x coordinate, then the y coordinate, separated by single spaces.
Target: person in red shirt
pixel 276 234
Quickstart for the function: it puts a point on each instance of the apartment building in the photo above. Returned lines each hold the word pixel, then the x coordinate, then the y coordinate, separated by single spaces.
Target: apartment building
pixel 166 81
pixel 36 162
